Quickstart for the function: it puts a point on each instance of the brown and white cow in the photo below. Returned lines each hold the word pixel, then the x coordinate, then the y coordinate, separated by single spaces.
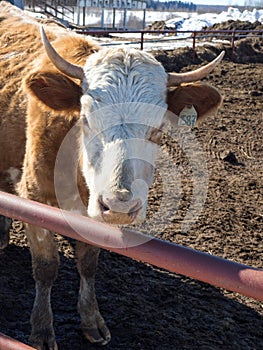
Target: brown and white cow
pixel 118 98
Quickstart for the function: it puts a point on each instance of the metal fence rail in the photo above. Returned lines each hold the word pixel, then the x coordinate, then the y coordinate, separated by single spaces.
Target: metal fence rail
pixel 201 266
pixel 7 343
pixel 232 35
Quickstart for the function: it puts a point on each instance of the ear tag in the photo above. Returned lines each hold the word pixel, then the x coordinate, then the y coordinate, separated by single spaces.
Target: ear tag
pixel 187 116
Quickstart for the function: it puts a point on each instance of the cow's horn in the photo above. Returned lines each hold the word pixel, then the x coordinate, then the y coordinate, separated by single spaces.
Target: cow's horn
pixel 60 63
pixel 198 74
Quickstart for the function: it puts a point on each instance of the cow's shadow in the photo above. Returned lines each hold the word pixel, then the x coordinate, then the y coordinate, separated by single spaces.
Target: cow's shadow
pixel 145 308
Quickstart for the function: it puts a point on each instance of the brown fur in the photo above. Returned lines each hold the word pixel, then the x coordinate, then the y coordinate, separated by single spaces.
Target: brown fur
pixel 21 53
pixel 205 98
pixel 38 106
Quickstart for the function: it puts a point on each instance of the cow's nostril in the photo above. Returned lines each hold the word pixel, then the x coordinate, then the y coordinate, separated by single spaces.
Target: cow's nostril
pixel 124 195
pixel 104 207
pixel 119 206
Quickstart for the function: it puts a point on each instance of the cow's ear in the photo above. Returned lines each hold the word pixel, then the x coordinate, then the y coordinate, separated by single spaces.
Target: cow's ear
pixel 203 97
pixel 55 90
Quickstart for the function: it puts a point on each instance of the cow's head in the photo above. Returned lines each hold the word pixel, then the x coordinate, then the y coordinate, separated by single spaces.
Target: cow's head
pixel 123 108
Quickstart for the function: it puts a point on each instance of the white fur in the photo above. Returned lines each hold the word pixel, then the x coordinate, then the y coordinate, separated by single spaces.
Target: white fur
pixel 124 97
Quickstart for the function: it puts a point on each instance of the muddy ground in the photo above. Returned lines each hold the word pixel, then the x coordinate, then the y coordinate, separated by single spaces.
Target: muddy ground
pixel 147 308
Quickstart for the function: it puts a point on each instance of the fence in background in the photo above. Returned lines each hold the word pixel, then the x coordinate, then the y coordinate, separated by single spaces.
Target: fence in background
pixel 227 35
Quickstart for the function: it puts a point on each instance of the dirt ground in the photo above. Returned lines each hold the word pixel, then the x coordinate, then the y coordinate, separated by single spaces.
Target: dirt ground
pixel 147 308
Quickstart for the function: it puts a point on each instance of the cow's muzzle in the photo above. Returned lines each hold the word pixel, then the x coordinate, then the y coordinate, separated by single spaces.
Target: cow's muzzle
pixel 121 209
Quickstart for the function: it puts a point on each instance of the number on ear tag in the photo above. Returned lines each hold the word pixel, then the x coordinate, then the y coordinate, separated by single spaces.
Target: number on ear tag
pixel 187 116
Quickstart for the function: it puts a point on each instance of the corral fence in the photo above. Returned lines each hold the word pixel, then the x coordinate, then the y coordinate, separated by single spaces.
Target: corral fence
pixel 204 267
pixel 207 268
pixel 220 35
pixel 8 343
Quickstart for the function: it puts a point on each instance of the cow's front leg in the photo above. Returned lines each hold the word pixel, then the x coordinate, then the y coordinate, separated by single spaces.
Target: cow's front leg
pixel 92 323
pixel 45 261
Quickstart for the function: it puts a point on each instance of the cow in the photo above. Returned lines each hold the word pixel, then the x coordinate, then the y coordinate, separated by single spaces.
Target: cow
pixel 114 96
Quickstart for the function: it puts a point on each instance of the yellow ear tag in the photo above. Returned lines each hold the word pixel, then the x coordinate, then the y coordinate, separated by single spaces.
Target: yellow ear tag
pixel 187 116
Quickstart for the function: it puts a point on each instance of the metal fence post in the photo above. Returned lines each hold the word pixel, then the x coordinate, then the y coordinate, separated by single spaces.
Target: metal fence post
pixel 232 43
pixel 142 36
pixel 194 42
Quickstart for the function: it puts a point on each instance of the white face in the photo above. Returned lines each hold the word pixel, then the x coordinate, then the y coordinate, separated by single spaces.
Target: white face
pixel 122 109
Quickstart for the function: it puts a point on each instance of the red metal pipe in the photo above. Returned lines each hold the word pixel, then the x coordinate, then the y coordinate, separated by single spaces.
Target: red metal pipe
pixel 7 343
pixel 201 266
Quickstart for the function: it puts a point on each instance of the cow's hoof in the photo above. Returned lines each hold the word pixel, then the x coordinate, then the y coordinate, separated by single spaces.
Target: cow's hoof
pixel 45 342
pixel 100 335
pixel 5 224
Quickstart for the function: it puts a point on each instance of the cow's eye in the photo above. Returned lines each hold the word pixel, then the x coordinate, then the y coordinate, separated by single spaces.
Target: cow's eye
pixel 156 136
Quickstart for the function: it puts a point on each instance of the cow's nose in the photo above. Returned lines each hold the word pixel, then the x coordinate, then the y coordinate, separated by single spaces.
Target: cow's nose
pixel 120 210
pixel 121 204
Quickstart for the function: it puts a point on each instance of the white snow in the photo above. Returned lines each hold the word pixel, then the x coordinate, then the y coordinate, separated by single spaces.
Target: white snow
pixel 182 20
pixel 185 22
pixel 197 22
